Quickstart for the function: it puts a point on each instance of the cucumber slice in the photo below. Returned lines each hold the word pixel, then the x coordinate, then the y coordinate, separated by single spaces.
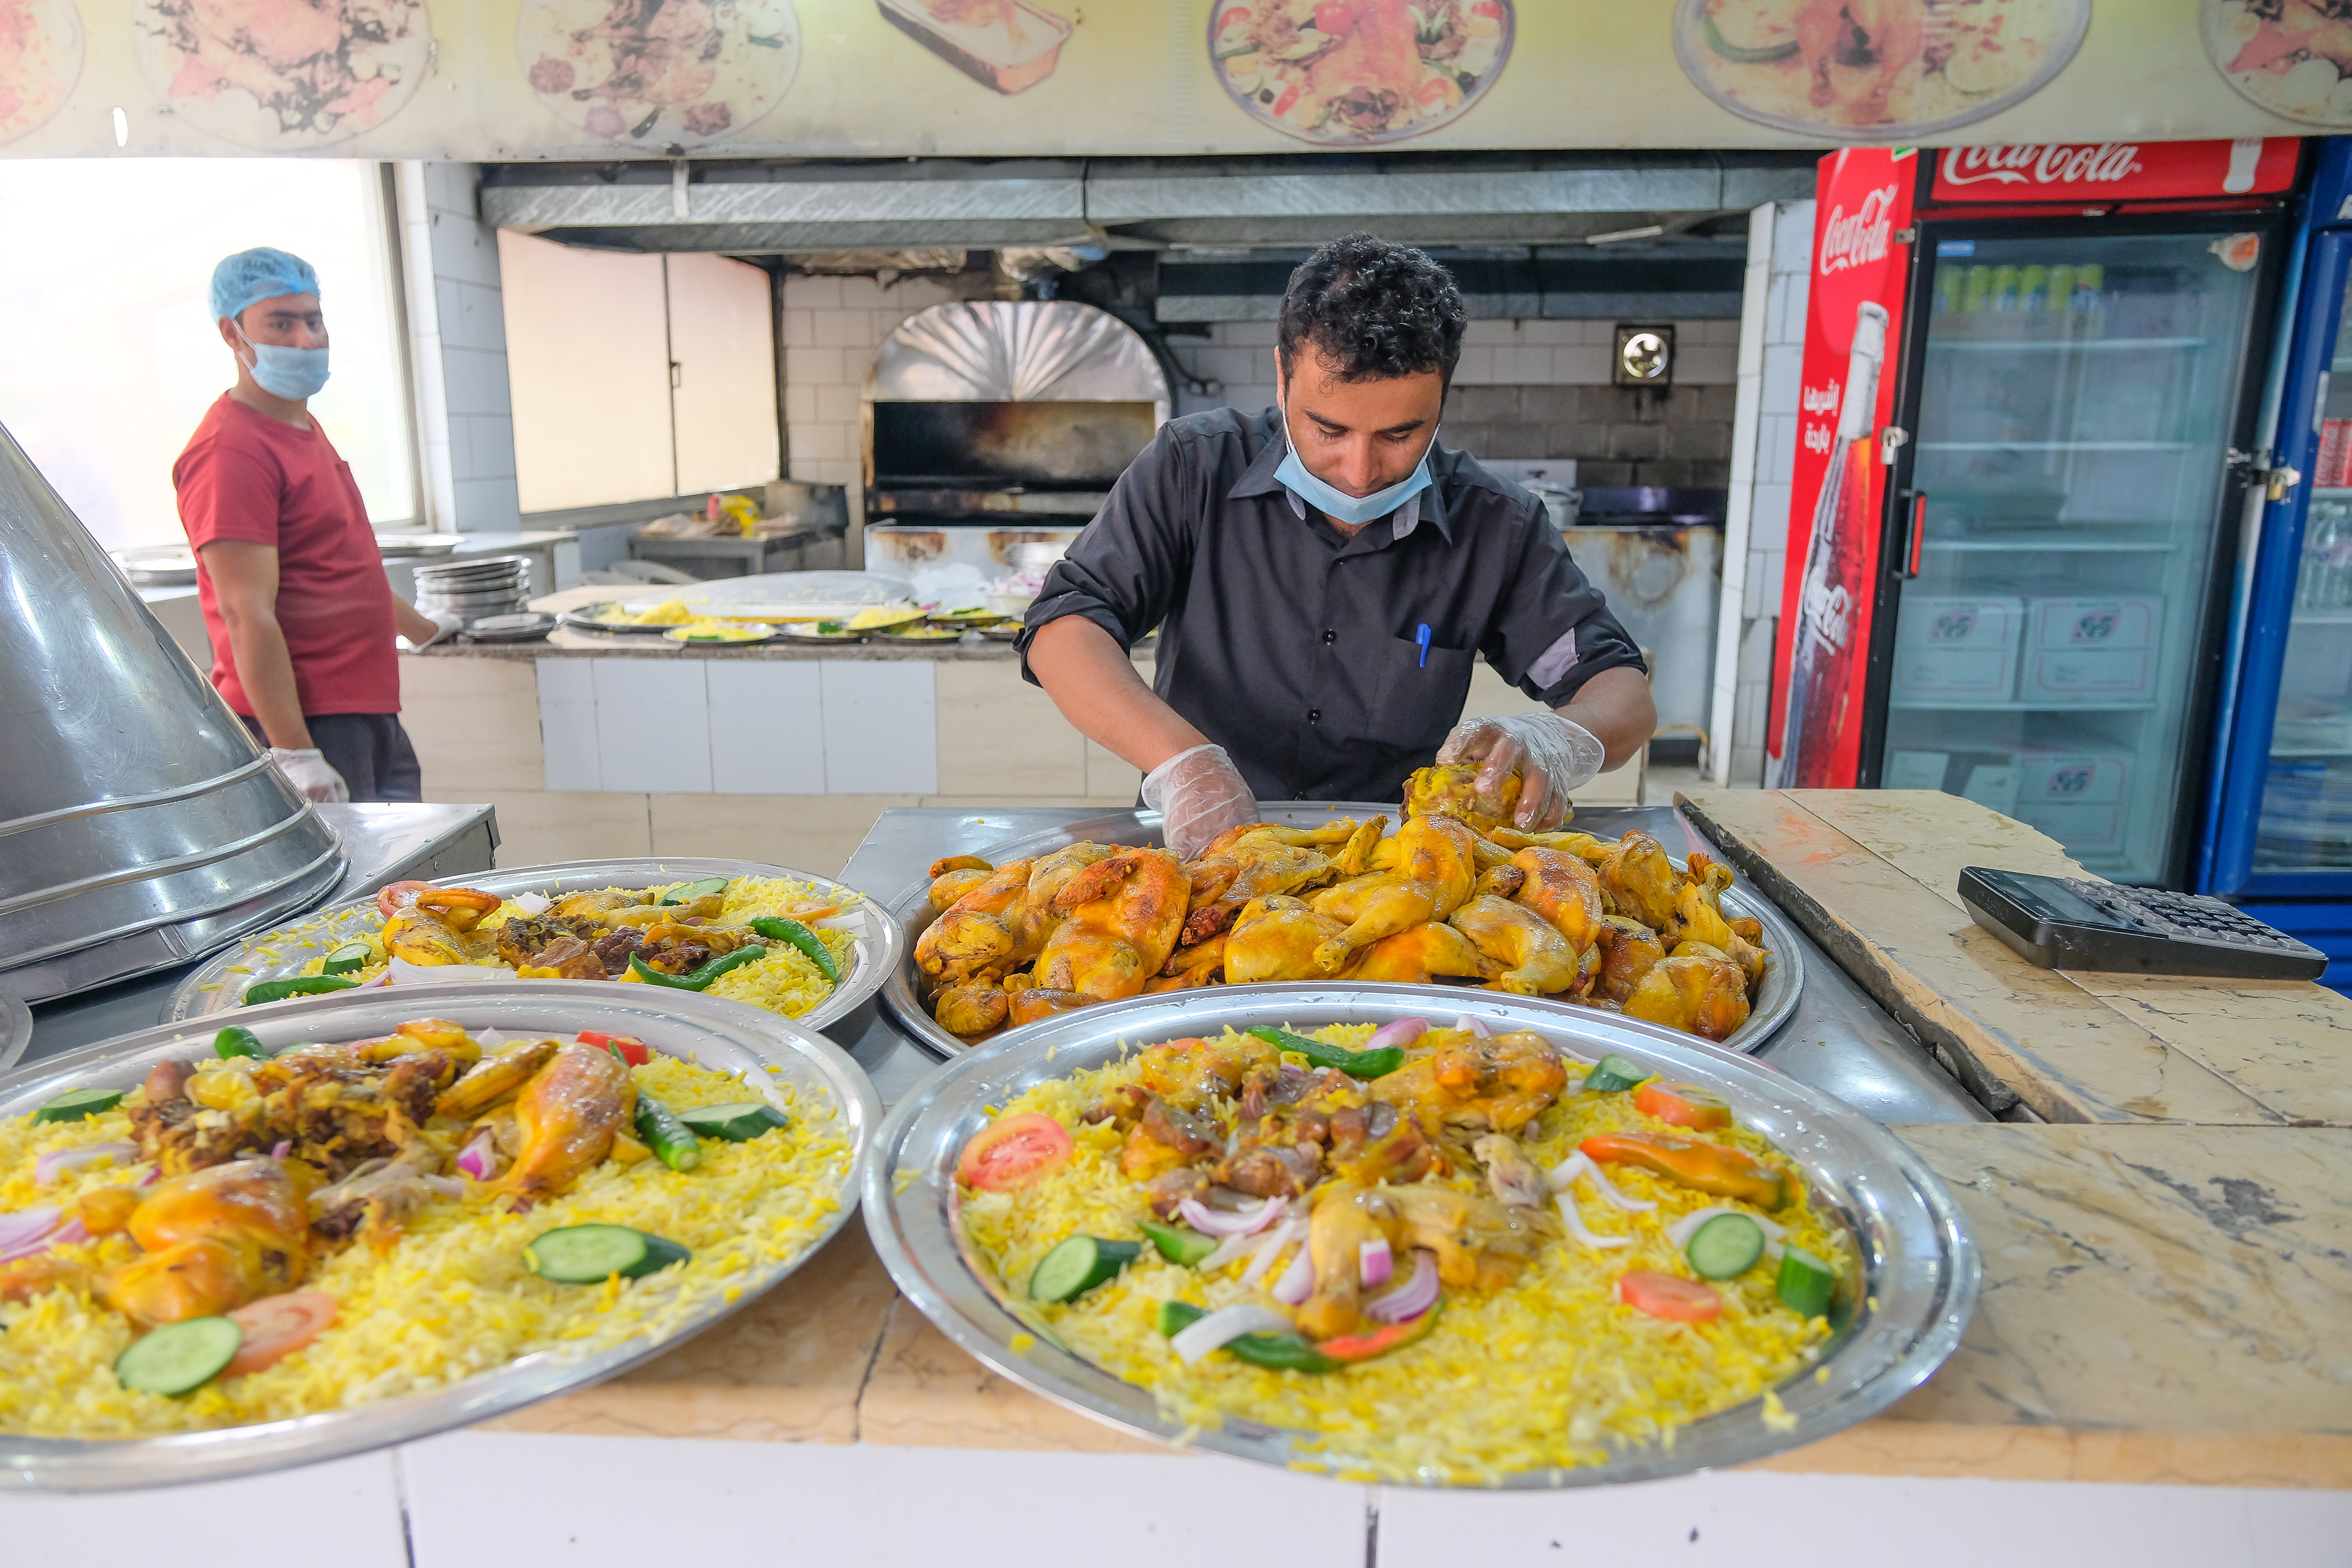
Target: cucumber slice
pixel 1724 1246
pixel 179 1358
pixel 1178 1244
pixel 738 1121
pixel 693 890
pixel 1614 1074
pixel 1077 1266
pixel 589 1254
pixel 76 1103
pixel 350 956
pixel 1805 1283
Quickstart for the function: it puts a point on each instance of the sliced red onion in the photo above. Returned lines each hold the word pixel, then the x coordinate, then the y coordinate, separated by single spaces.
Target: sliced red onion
pixel 280 1150
pixel 154 1175
pixel 58 1162
pixel 1683 1229
pixel 447 1186
pixel 478 1158
pixel 1297 1281
pixel 1224 1326
pixel 1282 1236
pixel 384 979
pixel 490 1040
pixel 1411 1298
pixel 533 903
pixel 404 973
pixel 1375 1264
pixel 1403 1032
pixel 27 1231
pixel 1474 1024
pixel 1235 1222
pixel 1579 1229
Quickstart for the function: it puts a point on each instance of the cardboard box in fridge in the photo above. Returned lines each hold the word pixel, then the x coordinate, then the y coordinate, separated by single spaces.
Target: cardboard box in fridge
pixel 1958 649
pixel 2083 676
pixel 2083 828
pixel 2051 776
pixel 2130 620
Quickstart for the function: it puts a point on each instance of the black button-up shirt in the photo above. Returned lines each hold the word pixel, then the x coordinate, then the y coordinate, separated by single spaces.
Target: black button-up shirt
pixel 1295 647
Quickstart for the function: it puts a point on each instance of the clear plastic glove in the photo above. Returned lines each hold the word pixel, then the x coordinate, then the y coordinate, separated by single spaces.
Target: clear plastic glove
pixel 448 621
pixel 310 773
pixel 1551 754
pixel 1198 793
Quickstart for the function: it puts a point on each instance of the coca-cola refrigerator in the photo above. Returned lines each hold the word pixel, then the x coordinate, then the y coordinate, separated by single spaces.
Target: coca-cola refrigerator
pixel 2013 529
pixel 2278 835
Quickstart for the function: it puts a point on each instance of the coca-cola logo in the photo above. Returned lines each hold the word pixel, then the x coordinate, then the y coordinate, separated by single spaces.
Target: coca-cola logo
pixel 1861 237
pixel 2034 163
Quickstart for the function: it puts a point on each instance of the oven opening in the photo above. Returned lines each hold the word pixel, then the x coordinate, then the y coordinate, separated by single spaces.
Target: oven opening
pixel 1041 446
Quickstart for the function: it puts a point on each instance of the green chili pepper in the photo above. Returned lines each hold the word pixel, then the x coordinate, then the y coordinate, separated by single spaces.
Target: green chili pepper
pixel 1355 1064
pixel 695 980
pixel 1739 55
pixel 661 1131
pixel 1275 1352
pixel 237 1041
pixel 301 985
pixel 800 936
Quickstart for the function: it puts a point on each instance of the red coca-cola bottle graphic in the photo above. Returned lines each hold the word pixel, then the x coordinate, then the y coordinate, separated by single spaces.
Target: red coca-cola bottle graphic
pixel 1824 666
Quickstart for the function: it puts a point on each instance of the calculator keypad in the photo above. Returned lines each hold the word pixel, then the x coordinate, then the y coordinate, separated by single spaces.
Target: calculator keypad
pixel 2187 917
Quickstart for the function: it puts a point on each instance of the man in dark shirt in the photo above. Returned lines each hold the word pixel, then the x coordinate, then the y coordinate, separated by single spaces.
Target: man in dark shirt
pixel 1322 576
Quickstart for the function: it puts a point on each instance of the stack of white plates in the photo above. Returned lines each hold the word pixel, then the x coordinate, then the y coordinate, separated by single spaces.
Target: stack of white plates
pixel 475 590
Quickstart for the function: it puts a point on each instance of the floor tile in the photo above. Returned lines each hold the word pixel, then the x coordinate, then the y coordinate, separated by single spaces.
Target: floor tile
pixel 816 834
pixel 346 1512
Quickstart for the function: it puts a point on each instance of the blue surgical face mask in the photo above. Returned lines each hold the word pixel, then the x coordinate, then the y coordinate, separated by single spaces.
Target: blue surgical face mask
pixel 290 374
pixel 1338 504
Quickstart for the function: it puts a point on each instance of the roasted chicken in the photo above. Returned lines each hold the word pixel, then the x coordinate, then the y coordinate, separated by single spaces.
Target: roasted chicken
pixel 1695 989
pixel 213 1240
pixel 1119 918
pixel 1533 959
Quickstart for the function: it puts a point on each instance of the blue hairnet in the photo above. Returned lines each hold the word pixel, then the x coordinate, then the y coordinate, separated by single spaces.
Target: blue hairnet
pixel 260 273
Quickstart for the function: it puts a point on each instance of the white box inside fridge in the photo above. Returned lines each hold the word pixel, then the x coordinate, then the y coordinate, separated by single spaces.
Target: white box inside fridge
pixel 1991 786
pixel 1958 649
pixel 2084 829
pixel 2130 620
pixel 1915 770
pixel 2051 776
pixel 2089 675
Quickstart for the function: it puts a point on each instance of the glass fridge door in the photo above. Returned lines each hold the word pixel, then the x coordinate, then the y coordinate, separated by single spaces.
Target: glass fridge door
pixel 2077 397
pixel 2306 815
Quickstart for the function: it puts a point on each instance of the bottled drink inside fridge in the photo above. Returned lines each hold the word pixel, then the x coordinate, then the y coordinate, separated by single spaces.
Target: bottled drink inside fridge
pixel 2088 282
pixel 1825 666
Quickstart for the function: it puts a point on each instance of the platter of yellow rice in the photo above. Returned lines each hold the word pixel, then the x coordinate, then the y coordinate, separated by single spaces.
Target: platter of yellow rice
pixel 866 941
pixel 1547 1385
pixel 447 1327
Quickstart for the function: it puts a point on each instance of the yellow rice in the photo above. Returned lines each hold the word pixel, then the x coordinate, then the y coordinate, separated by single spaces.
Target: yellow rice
pixel 452 1300
pixel 1550 1373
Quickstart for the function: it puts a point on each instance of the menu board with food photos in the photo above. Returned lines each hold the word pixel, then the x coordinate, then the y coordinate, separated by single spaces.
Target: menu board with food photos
pixel 503 79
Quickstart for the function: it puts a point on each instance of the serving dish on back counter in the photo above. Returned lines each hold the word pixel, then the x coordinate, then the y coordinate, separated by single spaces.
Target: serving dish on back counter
pixel 440 1310
pixel 874 947
pixel 1630 1344
pixel 905 992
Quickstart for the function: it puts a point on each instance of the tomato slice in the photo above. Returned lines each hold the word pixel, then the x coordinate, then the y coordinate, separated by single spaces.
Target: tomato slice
pixel 1668 1296
pixel 392 895
pixel 1013 1148
pixel 276 1326
pixel 1239 16
pixel 627 1048
pixel 1380 1341
pixel 1334 16
pixel 1682 1105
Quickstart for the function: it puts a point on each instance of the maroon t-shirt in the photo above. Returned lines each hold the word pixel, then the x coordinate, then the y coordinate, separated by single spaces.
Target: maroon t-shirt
pixel 247 476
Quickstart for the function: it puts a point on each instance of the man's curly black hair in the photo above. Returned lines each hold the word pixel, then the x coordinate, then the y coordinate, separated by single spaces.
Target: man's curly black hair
pixel 1372 310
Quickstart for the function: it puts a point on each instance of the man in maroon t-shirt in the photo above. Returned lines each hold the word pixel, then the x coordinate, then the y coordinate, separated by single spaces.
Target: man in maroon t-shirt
pixel 295 600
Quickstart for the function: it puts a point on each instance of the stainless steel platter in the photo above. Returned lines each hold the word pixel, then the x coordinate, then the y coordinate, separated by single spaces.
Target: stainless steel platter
pixel 733 1040
pixel 902 992
pixel 215 985
pixel 583 618
pixel 16 1029
pixel 1919 1267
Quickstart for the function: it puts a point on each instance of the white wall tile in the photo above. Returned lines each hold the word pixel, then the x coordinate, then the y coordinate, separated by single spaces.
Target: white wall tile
pixel 1707 364
pixel 767 733
pixel 1784 369
pixel 840 328
pixel 487 505
pixel 1477 367
pixel 881 727
pixel 1792 238
pixel 475 381
pixel 489 450
pixel 815 366
pixel 353 1503
pixel 800 403
pixel 653 725
pixel 796 327
pixel 837 404
pixel 1582 364
pixel 567 724
pixel 819 293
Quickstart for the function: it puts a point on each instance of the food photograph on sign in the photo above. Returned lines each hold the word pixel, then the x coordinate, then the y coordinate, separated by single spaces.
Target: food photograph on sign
pixel 40 58
pixel 281 75
pixel 2293 58
pixel 1009 45
pixel 659 73
pixel 1352 72
pixel 1886 69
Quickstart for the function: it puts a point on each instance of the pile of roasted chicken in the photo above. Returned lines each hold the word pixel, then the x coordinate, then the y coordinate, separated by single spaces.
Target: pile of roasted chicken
pixel 1453 895
pixel 267 1163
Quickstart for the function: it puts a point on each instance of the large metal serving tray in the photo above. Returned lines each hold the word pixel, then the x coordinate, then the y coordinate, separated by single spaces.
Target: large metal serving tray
pixel 845 1016
pixel 721 1035
pixel 1919 1267
pixel 902 990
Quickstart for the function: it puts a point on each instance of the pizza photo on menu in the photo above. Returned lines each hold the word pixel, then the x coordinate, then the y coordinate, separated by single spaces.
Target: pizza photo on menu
pixel 1352 72
pixel 40 58
pixel 2293 58
pixel 658 73
pixel 1879 69
pixel 279 75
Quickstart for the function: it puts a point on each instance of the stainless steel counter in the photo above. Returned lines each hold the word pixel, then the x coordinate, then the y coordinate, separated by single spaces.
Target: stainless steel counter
pixel 1839 1040
pixel 383 843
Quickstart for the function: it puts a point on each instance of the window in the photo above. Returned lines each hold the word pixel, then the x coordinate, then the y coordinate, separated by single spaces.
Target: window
pixel 635 377
pixel 113 355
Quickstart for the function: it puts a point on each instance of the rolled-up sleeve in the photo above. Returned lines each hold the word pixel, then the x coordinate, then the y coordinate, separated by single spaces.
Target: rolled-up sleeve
pixel 1125 570
pixel 1552 631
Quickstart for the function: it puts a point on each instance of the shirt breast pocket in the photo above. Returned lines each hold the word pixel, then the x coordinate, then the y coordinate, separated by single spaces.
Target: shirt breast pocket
pixel 1418 700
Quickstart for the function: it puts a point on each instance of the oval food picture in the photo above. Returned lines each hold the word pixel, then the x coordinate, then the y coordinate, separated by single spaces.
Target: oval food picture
pixel 1873 70
pixel 2290 57
pixel 687 72
pixel 280 75
pixel 40 60
pixel 1352 72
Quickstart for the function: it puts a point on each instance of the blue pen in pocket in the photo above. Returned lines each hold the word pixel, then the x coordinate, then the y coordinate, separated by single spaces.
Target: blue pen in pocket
pixel 1421 640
